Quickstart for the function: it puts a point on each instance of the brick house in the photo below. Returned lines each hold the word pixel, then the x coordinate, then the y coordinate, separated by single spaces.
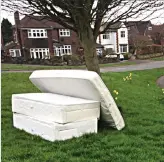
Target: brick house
pixel 144 29
pixel 39 37
pixel 139 28
pixel 143 32
pixel 138 32
pixel 157 34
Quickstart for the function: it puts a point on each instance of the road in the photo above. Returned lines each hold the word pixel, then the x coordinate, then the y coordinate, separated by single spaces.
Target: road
pixel 142 66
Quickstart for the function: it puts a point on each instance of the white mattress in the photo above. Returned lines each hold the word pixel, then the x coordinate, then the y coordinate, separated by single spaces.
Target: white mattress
pixel 82 84
pixel 55 108
pixel 53 131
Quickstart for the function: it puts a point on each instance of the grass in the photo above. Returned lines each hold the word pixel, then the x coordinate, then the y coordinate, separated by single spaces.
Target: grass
pixel 142 140
pixel 41 67
pixel 158 58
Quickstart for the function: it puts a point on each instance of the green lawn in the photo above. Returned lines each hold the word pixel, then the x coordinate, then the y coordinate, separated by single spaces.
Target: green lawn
pixel 41 67
pixel 142 140
pixel 158 58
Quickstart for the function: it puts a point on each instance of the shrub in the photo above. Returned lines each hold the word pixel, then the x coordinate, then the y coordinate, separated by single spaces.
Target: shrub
pixel 66 58
pixel 47 62
pixel 35 61
pixel 127 56
pixel 17 60
pixel 7 59
pixel 148 56
pixel 106 60
pixel 75 60
pixel 56 60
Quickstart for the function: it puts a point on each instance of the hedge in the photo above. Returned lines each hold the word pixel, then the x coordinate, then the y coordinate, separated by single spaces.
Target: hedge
pixel 148 56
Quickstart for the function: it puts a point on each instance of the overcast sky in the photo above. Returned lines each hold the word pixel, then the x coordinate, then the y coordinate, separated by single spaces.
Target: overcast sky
pixel 159 17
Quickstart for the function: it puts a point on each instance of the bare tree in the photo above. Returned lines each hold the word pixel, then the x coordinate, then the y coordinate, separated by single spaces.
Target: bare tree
pixel 88 18
pixel 157 34
pixel 138 42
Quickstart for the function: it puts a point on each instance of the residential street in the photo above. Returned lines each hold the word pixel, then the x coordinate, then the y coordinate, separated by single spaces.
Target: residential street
pixel 141 66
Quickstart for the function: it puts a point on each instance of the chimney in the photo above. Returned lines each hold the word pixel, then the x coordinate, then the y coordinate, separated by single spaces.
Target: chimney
pixel 17 19
pixel 18 31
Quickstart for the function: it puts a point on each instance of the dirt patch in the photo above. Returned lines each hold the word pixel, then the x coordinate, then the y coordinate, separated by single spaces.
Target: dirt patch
pixel 160 82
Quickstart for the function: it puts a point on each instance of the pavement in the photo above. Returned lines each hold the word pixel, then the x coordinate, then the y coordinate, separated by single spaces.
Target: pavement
pixel 140 66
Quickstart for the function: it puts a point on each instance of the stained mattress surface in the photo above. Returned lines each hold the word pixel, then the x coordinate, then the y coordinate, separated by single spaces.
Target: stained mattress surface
pixel 54 131
pixel 81 84
pixel 55 108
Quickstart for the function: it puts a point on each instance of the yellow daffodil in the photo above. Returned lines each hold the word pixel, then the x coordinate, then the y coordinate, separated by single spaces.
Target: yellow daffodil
pixel 115 98
pixel 124 79
pixel 116 93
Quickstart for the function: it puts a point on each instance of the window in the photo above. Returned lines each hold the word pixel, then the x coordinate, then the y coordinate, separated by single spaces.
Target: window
pixel 123 48
pixel 15 52
pixel 65 49
pixel 106 36
pixel 37 33
pixel 41 53
pixel 150 28
pixel 64 32
pixel 122 34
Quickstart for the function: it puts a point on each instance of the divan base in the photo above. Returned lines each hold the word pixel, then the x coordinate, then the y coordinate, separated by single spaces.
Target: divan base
pixel 54 131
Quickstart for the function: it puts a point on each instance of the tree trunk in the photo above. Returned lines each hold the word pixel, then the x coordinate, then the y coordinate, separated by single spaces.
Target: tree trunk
pixel 89 44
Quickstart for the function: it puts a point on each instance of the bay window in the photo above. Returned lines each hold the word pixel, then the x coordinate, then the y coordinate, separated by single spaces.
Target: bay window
pixel 123 48
pixel 106 35
pixel 62 50
pixel 40 53
pixel 15 52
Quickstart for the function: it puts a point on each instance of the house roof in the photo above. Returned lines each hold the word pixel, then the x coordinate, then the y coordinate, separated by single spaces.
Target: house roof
pixel 38 22
pixel 158 28
pixel 116 25
pixel 10 45
pixel 140 26
pixel 99 45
